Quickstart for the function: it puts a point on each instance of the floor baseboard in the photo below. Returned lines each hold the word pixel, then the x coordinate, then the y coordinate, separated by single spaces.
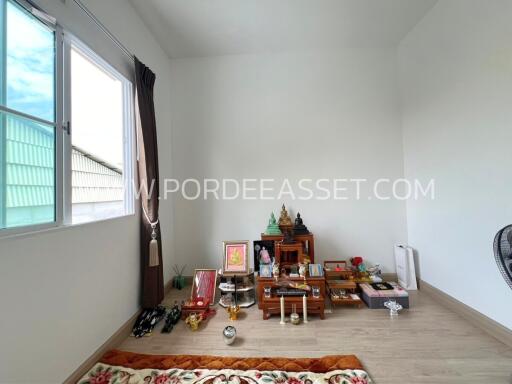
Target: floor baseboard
pixel 389 277
pixel 125 330
pixel 115 340
pixel 168 287
pixel 478 319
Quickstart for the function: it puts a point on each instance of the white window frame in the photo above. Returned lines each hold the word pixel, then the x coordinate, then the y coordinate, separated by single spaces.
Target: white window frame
pixel 70 41
pixel 63 121
pixel 58 134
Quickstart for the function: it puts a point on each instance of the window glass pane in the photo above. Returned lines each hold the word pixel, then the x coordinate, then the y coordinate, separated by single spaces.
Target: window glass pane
pixel 30 72
pixel 28 172
pixel 97 108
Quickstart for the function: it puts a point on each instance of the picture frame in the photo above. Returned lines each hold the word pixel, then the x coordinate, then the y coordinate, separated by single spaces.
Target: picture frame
pixel 265 270
pixel 204 284
pixel 316 270
pixel 236 258
pixel 257 248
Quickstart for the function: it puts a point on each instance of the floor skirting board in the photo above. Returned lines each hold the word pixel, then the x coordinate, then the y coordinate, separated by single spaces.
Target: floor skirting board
pixel 125 330
pixel 478 319
pixel 115 340
pixel 389 276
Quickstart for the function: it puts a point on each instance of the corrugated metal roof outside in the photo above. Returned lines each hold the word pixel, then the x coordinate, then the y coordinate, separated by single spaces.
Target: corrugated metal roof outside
pixel 30 169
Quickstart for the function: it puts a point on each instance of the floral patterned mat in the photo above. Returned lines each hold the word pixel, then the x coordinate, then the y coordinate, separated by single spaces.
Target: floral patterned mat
pixel 108 374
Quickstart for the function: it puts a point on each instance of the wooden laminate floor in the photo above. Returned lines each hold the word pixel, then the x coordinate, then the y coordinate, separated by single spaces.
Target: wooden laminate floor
pixel 426 344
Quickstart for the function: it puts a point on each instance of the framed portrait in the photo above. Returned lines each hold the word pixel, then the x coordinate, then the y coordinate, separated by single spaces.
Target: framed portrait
pixel 236 258
pixel 316 270
pixel 263 251
pixel 203 285
pixel 265 270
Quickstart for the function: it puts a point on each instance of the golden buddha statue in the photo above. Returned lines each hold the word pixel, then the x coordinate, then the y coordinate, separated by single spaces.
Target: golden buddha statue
pixel 284 218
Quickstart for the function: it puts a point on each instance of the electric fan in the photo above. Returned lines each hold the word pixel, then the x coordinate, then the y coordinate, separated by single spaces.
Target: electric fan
pixel 503 253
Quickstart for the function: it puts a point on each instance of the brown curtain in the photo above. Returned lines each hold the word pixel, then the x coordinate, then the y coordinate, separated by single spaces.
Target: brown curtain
pixel 152 275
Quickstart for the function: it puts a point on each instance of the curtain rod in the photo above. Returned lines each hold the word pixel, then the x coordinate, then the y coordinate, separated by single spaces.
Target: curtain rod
pixel 104 29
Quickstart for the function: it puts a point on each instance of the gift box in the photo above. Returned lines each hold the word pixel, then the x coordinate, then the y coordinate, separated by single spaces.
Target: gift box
pixel 199 305
pixel 375 298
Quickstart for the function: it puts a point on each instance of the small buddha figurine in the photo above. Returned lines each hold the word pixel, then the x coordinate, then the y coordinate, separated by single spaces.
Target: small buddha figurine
pixel 299 228
pixel 272 227
pixel 302 270
pixel 275 270
pixel 288 237
pixel 284 218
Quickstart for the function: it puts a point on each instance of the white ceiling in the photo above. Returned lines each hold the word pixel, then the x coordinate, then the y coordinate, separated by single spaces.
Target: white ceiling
pixel 187 28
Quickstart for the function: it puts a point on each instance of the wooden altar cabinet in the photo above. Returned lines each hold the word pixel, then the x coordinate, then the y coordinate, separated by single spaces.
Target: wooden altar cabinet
pixel 307 243
pixel 271 305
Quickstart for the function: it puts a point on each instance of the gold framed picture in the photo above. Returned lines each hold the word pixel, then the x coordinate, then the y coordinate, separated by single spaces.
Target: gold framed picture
pixel 236 257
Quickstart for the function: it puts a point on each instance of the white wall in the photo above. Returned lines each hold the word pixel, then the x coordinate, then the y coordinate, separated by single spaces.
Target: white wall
pixel 63 293
pixel 456 75
pixel 310 115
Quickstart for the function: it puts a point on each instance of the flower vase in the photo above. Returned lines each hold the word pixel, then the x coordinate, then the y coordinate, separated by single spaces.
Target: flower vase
pixel 179 282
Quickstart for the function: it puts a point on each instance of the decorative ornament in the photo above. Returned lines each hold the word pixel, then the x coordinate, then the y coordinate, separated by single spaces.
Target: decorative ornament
pixel 294 316
pixel 193 320
pixel 393 307
pixel 275 270
pixel 299 228
pixel 229 334
pixel 172 318
pixel 302 270
pixel 272 227
pixel 284 218
pixel 233 311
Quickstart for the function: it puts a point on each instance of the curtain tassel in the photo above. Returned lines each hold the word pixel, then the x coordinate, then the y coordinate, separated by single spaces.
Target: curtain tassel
pixel 153 249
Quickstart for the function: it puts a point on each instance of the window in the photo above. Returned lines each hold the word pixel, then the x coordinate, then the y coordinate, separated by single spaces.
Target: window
pixel 66 128
pixel 27 119
pixel 100 110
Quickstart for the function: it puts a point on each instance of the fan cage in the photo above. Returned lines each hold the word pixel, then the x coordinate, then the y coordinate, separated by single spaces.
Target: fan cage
pixel 503 253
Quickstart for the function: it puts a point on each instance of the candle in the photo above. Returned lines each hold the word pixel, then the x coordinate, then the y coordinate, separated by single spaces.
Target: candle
pixel 236 300
pixel 282 310
pixel 305 307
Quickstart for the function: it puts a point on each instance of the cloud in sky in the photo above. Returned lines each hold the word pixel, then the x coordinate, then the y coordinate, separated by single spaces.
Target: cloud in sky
pixel 31 87
pixel 30 64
